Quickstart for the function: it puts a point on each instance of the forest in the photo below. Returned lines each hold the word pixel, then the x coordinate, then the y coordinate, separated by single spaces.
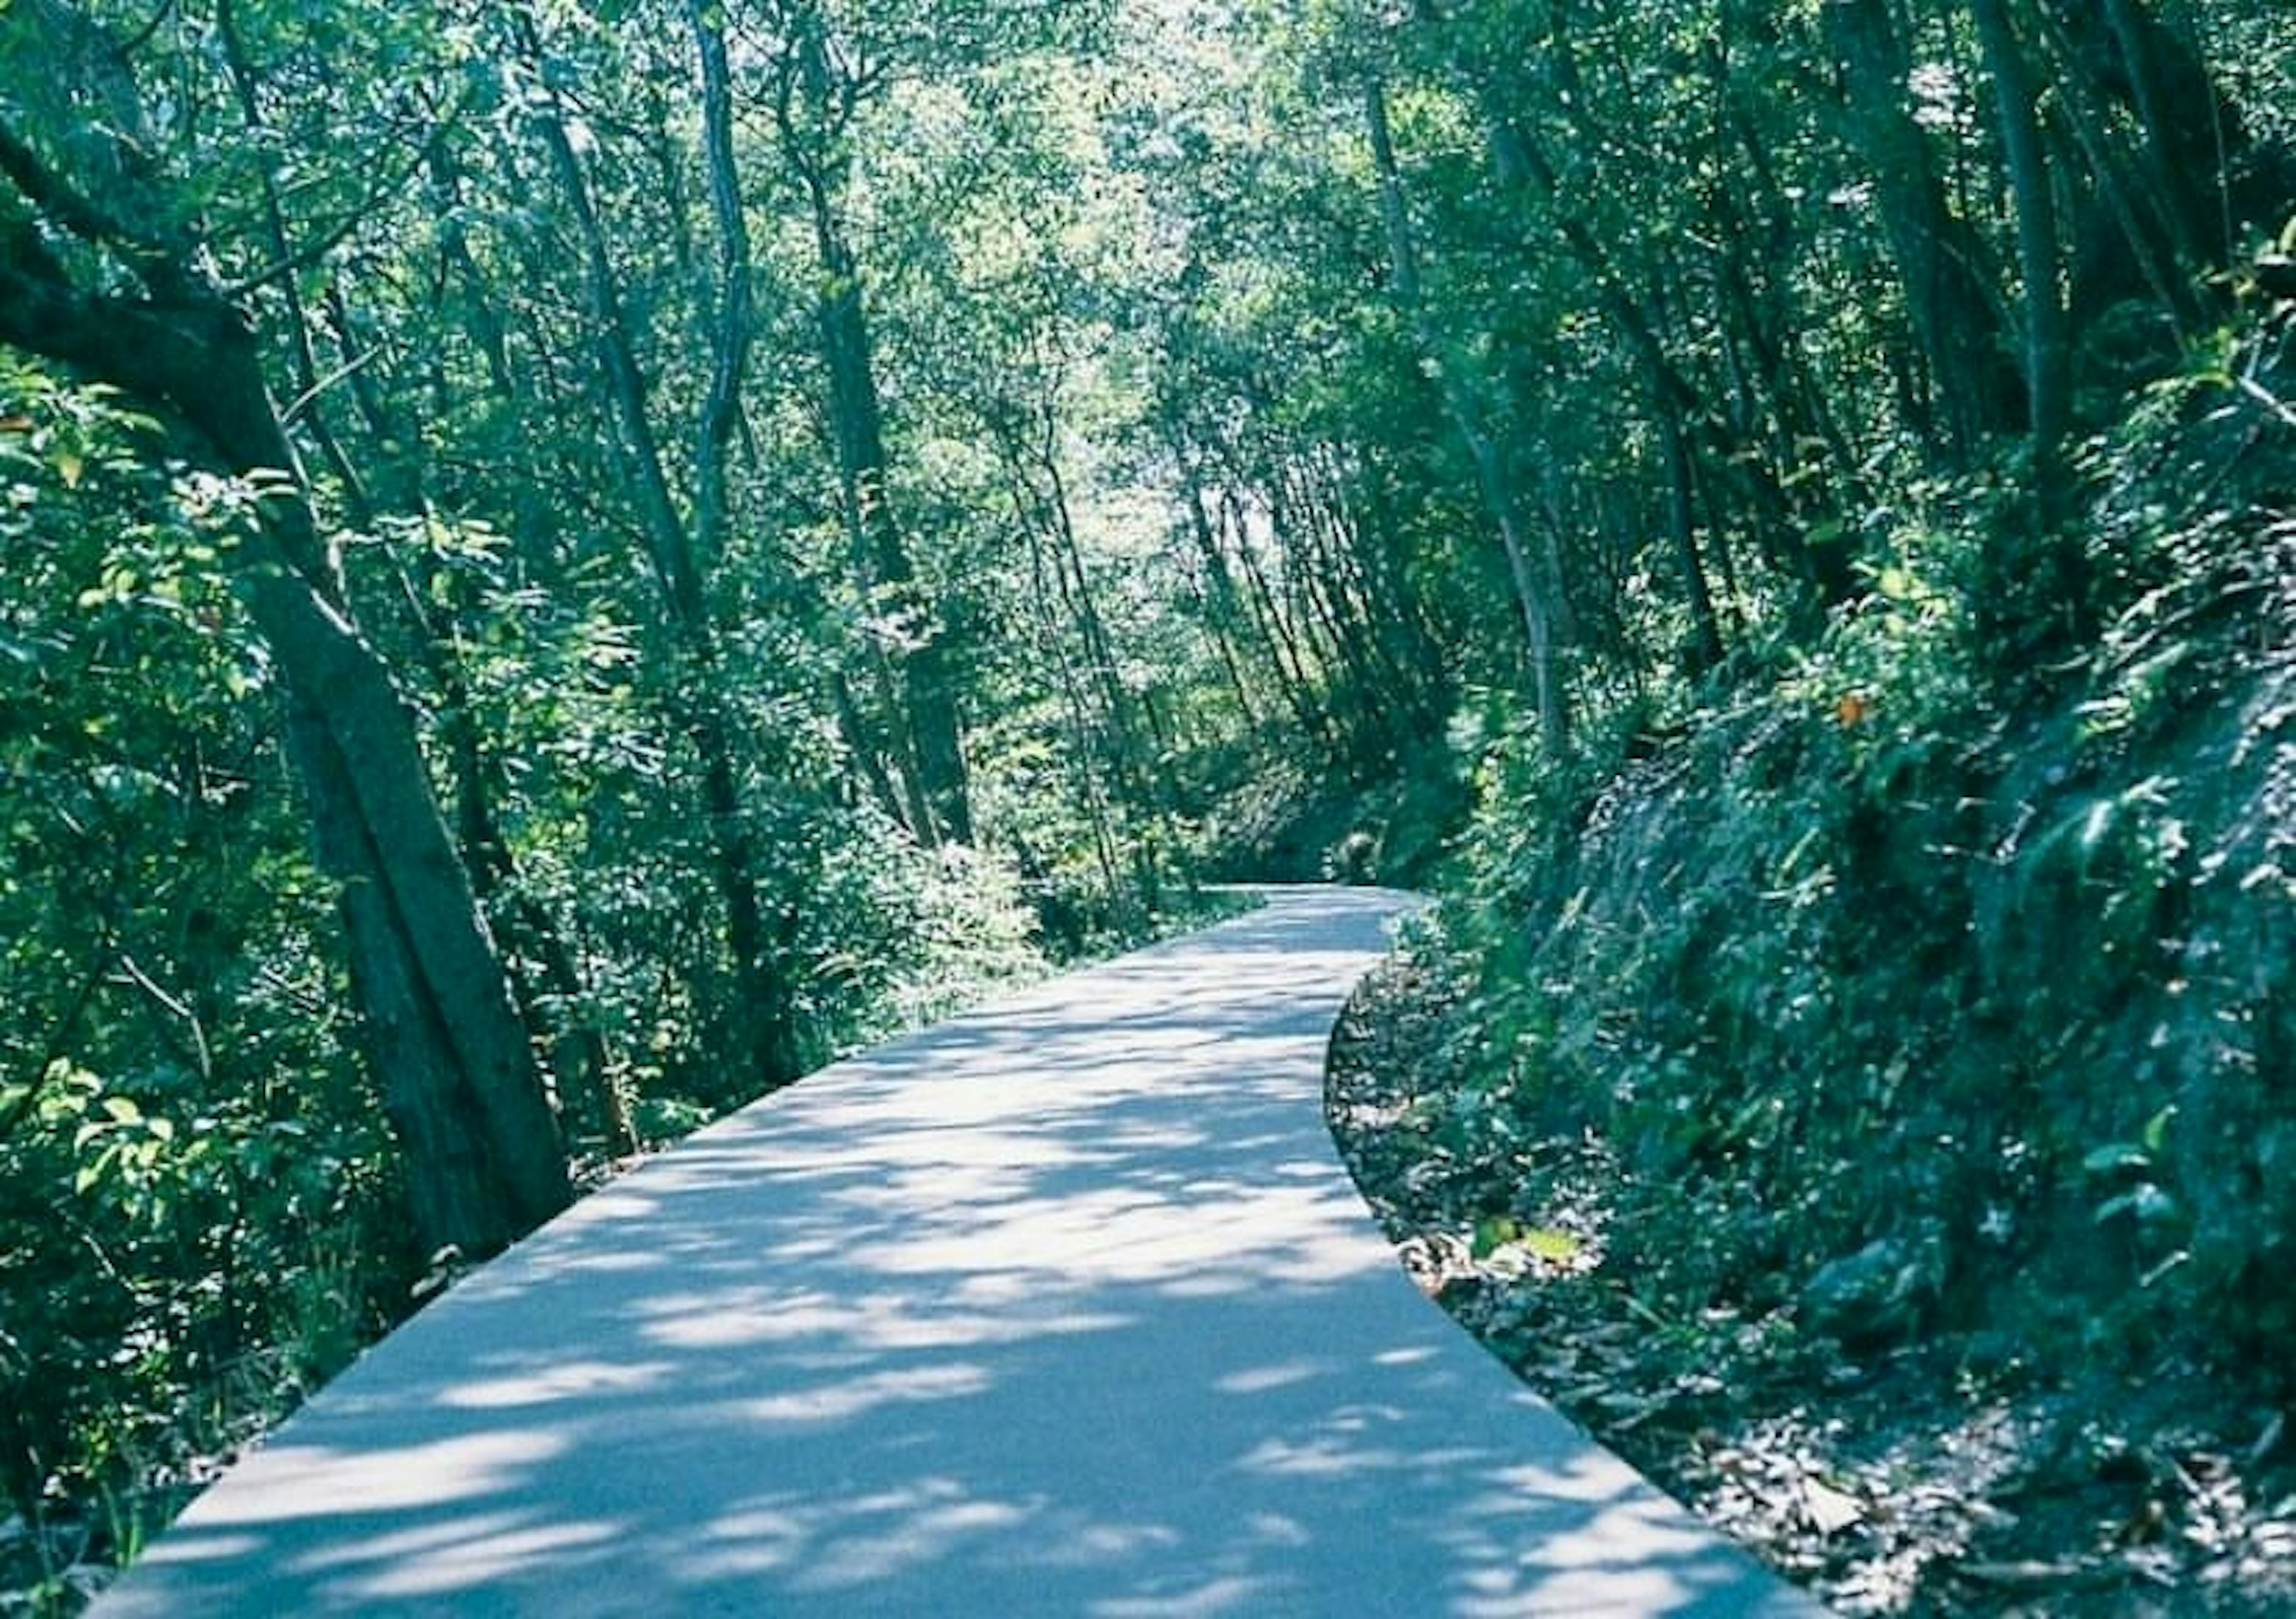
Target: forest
pixel 561 565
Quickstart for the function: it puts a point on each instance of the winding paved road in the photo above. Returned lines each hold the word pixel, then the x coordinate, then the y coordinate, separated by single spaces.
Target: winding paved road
pixel 1064 1308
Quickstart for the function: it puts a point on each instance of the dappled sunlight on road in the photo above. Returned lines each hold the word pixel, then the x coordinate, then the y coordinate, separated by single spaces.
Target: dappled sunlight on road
pixel 307 1481
pixel 439 1562
pixel 557 1381
pixel 1063 1307
pixel 871 1324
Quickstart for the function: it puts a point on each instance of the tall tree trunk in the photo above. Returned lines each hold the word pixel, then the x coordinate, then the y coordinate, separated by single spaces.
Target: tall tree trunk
pixel 2047 340
pixel 1284 654
pixel 1705 627
pixel 1940 259
pixel 2204 166
pixel 2034 595
pixel 246 87
pixel 1411 644
pixel 458 1077
pixel 1534 597
pixel 767 1010
pixel 761 1022
pixel 1142 759
pixel 1085 738
pixel 812 114
pixel 1223 612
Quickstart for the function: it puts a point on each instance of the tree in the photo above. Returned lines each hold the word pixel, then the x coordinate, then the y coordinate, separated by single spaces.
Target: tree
pixel 1535 586
pixel 98 273
pixel 1943 265
pixel 685 537
pixel 822 84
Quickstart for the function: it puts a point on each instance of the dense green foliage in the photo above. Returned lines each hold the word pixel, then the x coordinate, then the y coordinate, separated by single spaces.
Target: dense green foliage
pixel 562 565
pixel 190 1175
pixel 1949 917
pixel 1873 952
pixel 1862 1100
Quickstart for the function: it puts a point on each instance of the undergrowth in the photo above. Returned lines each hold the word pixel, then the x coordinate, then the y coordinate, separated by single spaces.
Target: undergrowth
pixel 1912 1003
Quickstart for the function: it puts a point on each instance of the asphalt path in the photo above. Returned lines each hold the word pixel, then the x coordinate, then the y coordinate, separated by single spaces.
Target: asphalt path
pixel 1063 1307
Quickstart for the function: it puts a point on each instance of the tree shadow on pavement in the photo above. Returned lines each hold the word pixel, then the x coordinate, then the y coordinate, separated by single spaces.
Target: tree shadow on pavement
pixel 1063 1307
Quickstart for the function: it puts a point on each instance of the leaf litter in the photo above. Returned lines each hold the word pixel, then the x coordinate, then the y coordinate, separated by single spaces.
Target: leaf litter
pixel 1925 1479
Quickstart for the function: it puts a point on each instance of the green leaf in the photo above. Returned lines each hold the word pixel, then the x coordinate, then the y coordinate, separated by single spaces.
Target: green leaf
pixel 1545 1243
pixel 1492 1233
pixel 2116 1157
pixel 1554 1245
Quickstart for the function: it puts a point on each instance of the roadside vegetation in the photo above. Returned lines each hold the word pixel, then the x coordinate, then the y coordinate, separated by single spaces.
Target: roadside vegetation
pixel 1865 1103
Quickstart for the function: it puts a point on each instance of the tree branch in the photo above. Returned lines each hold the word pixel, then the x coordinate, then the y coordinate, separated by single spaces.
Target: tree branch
pixel 61 202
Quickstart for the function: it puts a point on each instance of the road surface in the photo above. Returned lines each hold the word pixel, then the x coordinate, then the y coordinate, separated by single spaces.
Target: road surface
pixel 1063 1307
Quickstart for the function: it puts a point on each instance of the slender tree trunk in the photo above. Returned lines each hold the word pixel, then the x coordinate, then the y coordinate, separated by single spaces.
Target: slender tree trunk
pixel 1706 628
pixel 733 322
pixel 1757 270
pixel 1145 751
pixel 1416 644
pixel 1534 597
pixel 935 753
pixel 767 1011
pixel 2035 595
pixel 1222 611
pixel 1375 696
pixel 2204 166
pixel 1084 736
pixel 246 87
pixel 1276 634
pixel 1940 260
pixel 761 1022
pixel 860 741
pixel 2047 340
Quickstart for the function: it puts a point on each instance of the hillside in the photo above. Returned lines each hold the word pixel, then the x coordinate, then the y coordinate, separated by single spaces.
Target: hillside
pixel 1865 1102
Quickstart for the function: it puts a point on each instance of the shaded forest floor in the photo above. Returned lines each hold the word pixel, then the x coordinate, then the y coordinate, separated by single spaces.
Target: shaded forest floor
pixel 1943 1475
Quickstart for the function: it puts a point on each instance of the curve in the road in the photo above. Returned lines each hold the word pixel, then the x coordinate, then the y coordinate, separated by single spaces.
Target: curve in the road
pixel 1064 1308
